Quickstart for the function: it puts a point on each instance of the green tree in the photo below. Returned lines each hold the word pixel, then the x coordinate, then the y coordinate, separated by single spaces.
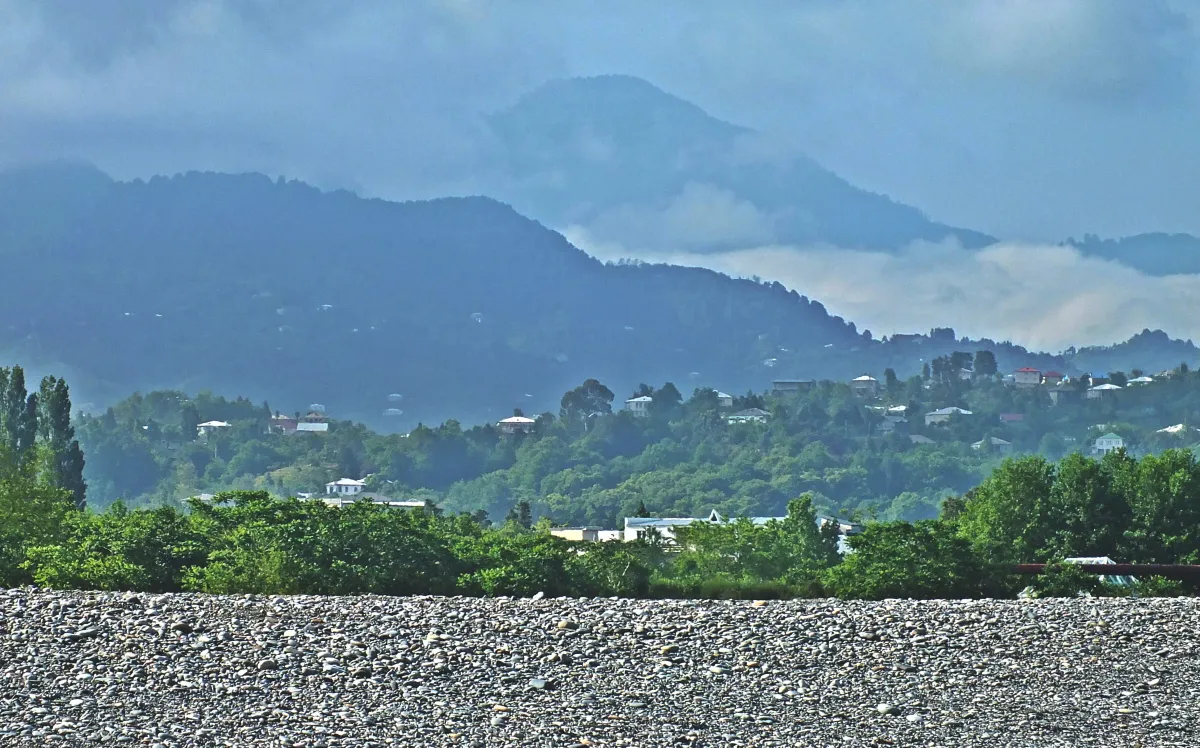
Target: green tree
pixel 921 560
pixel 32 514
pixel 587 399
pixel 667 400
pixel 524 514
pixel 189 421
pixel 891 382
pixel 985 364
pixel 1087 514
pixel 1165 524
pixel 18 413
pixel 1004 519
pixel 54 426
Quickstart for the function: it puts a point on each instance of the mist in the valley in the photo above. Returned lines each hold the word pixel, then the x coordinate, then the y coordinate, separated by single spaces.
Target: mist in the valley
pixel 1044 297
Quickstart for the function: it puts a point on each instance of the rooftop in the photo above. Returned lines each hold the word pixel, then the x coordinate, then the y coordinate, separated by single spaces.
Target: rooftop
pixel 950 411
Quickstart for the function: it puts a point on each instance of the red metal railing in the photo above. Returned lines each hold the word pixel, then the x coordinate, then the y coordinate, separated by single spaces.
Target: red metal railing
pixel 1170 571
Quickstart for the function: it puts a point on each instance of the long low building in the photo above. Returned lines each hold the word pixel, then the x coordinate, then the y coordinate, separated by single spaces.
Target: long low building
pixel 371 498
pixel 586 534
pixel 640 528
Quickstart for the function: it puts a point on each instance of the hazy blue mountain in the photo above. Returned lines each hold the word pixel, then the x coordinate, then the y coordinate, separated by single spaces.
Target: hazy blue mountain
pixel 640 166
pixel 1154 253
pixel 277 290
pixel 1151 351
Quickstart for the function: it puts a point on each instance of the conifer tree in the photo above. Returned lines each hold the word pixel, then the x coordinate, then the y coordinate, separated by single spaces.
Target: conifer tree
pixel 13 399
pixel 53 426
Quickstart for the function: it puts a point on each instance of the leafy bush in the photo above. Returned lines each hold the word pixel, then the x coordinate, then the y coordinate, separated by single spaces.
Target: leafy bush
pixel 921 560
pixel 1065 580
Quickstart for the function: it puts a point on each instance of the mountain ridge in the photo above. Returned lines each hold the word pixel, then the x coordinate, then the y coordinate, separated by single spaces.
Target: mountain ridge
pixel 631 161
pixel 277 290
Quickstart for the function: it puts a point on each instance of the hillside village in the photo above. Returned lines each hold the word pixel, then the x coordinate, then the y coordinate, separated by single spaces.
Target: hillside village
pixel 864 447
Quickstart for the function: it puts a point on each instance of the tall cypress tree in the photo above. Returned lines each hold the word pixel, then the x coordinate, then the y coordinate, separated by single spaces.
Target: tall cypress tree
pixel 12 409
pixel 56 432
pixel 27 430
pixel 70 465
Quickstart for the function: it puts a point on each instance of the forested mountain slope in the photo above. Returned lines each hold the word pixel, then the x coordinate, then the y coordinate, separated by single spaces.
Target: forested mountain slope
pixel 461 306
pixel 464 307
pixel 1154 253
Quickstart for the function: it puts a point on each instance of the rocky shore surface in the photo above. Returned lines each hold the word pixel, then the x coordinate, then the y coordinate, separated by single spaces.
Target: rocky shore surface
pixel 193 670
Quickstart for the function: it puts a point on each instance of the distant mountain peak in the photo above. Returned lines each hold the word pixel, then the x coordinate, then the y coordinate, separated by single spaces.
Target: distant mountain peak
pixel 604 96
pixel 641 167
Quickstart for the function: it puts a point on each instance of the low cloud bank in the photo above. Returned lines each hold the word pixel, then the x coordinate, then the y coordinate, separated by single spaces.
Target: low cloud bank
pixel 1041 296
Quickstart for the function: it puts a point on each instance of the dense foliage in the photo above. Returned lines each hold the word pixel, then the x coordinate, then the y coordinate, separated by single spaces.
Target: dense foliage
pixel 590 465
pixel 1027 509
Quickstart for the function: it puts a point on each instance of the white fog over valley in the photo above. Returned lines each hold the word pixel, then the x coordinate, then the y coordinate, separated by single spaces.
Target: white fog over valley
pixel 1043 297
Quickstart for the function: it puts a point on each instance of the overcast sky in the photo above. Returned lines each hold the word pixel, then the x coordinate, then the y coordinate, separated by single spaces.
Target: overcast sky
pixel 1028 119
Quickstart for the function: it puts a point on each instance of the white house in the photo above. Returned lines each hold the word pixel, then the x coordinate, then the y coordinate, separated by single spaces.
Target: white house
pixel 750 415
pixel 639 406
pixel 942 415
pixel 866 385
pixel 1176 430
pixel 920 440
pixel 724 401
pixel 1027 377
pixel 1141 380
pixel 1102 390
pixel 639 528
pixel 345 487
pixel 314 422
pixel 1001 446
pixel 586 534
pixel 1110 442
pixel 516 425
pixel 206 428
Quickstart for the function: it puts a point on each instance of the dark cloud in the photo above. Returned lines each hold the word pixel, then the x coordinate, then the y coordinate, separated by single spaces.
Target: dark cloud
pixel 1016 117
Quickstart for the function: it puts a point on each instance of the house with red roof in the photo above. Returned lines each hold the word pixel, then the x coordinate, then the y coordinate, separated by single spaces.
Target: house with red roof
pixel 1053 378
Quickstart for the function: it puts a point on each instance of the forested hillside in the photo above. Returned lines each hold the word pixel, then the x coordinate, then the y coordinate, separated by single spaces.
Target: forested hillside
pixel 1154 253
pixel 1027 509
pixel 461 307
pixel 584 463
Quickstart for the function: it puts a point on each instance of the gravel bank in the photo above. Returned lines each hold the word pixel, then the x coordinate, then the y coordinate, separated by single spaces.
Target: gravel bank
pixel 192 670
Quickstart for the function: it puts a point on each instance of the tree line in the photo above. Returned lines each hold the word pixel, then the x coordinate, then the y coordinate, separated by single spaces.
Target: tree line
pixel 37 432
pixel 591 463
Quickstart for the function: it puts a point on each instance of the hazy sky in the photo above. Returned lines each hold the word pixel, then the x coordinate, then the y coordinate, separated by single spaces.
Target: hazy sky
pixel 1028 119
